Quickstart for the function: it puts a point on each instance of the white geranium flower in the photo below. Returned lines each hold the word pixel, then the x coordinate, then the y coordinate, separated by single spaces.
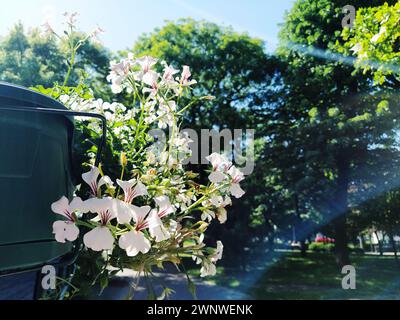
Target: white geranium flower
pixel 123 211
pixel 219 162
pixel 218 252
pixel 146 63
pixel 130 191
pixel 91 178
pixel 67 230
pixel 220 166
pixel 207 215
pixel 222 215
pixel 208 269
pixel 134 242
pixel 174 227
pixel 119 72
pixel 169 72
pixel 216 177
pixel 98 239
pixel 164 205
pixel 217 201
pixel 145 73
pixel 139 216
pixel 236 190
pixel 184 80
pixel 182 144
pixel 237 176
pixel 168 160
pixel 104 207
pixel 165 114
pixel 156 226
pixel 150 78
pixel 184 199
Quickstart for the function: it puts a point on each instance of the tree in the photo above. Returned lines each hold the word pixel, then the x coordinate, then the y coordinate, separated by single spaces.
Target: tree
pixel 329 118
pixel 32 58
pixel 375 42
pixel 231 66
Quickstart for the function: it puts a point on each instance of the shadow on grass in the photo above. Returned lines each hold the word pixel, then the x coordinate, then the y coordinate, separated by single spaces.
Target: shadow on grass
pixel 290 276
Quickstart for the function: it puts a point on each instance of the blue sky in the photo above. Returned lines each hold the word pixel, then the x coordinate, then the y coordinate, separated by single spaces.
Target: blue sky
pixel 125 20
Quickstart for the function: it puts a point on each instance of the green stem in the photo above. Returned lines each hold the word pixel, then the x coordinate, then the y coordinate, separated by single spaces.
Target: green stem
pixel 71 66
pixel 191 207
pixel 83 223
pixel 121 178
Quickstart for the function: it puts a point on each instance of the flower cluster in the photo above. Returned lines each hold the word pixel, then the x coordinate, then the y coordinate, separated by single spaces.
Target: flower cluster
pixel 154 211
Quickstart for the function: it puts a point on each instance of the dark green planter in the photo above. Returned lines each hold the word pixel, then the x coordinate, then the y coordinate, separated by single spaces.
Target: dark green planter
pixel 35 171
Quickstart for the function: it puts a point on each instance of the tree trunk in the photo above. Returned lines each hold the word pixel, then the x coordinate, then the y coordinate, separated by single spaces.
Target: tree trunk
pixel 362 242
pixel 340 211
pixel 380 248
pixel 271 241
pixel 394 247
pixel 303 246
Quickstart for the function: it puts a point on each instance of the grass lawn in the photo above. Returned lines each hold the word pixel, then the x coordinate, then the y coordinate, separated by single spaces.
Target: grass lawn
pixel 289 276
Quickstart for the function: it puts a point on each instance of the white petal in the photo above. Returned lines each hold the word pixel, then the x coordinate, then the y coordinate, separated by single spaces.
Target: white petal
pixel 217 200
pixel 159 233
pixel 218 252
pixel 216 177
pixel 164 204
pixel 65 230
pixel 140 190
pixel 236 190
pixel 156 227
pixel 91 177
pixel 77 205
pixel 134 242
pixel 99 239
pixel 105 180
pixel 219 161
pixel 126 185
pixel 97 205
pixel 123 210
pixel 150 78
pixel 60 206
pixel 236 174
pixel 140 213
pixel 222 215
pixel 208 269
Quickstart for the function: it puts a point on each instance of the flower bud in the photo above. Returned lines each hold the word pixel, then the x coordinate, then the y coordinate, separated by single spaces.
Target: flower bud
pixel 123 160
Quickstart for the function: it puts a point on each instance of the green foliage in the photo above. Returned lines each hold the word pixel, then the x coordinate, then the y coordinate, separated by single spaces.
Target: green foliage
pixel 32 58
pixel 326 126
pixel 375 41
pixel 321 247
pixel 29 59
pixel 231 66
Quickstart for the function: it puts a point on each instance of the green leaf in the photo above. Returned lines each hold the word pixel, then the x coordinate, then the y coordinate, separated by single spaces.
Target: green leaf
pixel 313 113
pixel 382 107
